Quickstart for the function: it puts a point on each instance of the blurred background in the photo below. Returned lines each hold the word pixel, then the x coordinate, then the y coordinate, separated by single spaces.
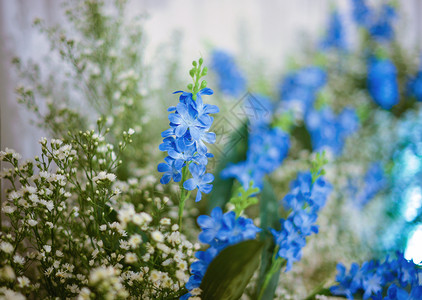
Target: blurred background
pixel 355 90
pixel 271 31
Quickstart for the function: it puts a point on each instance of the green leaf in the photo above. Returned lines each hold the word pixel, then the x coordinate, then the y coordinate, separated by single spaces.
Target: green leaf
pixel 229 273
pixel 269 218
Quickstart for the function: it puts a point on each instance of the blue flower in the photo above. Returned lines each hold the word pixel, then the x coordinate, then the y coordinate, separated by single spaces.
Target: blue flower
pixel 381 28
pixel 414 86
pixel 185 141
pixel 305 200
pixel 231 81
pixel 361 12
pixel 329 131
pixel 379 24
pixel 172 170
pixel 218 231
pixel 267 149
pixel 347 281
pixel 298 89
pixel 382 82
pixel 200 180
pixel 334 37
pixel 374 181
pixel 373 278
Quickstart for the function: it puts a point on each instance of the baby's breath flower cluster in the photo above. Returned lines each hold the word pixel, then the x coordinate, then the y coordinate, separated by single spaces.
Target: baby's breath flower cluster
pixel 76 228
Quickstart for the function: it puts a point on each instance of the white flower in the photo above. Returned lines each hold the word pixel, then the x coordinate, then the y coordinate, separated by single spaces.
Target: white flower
pixel 131 131
pixel 84 294
pixel 18 259
pixel 32 222
pixel 12 295
pixel 43 141
pixel 23 281
pixel 130 258
pixel 103 227
pixel 6 247
pixel 47 248
pixel 44 174
pixel 165 221
pixel 59 253
pixel 104 175
pixel 135 240
pixel 9 209
pixel 157 236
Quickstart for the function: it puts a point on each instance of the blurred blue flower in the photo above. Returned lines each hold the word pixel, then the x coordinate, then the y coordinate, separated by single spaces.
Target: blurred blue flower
pixel 231 81
pixel 379 24
pixel 298 89
pixel 334 37
pixel 267 148
pixel 382 82
pixel 329 131
pixel 305 200
pixel 414 86
pixel 373 279
pixel 218 231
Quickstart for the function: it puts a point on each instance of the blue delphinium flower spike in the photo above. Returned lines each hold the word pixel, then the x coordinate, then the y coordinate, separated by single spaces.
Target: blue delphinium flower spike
pixel 267 148
pixel 231 81
pixel 218 231
pixel 382 82
pixel 304 200
pixel 329 131
pixel 185 142
pixel 373 279
pixel 334 37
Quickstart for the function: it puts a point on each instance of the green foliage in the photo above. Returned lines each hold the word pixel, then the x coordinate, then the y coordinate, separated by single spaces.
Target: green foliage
pixel 317 165
pixel 242 198
pixel 197 72
pixel 226 278
pixel 268 212
pixel 285 121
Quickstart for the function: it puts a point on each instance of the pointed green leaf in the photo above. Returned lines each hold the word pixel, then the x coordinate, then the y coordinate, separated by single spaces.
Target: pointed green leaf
pixel 269 218
pixel 229 273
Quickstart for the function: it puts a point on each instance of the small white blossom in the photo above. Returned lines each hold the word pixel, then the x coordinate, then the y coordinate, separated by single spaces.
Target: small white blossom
pixel 32 222
pixel 131 258
pixel 6 247
pixel 157 236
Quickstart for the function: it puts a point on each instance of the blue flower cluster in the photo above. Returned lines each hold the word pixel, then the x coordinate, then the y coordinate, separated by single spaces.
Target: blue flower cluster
pixel 298 89
pixel 304 200
pixel 379 24
pixel 334 37
pixel 218 231
pixel 329 131
pixel 230 79
pixel 373 277
pixel 267 148
pixel 185 141
pixel 374 181
pixel 414 86
pixel 382 82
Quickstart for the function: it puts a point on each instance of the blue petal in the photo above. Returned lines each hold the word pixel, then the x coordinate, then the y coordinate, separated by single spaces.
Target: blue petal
pixel 189 184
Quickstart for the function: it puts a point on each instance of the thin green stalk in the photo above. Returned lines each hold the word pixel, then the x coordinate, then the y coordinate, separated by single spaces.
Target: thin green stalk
pixel 184 195
pixel 277 263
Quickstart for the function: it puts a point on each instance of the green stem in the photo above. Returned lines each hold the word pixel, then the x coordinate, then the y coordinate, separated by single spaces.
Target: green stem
pixel 319 291
pixel 184 195
pixel 275 266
